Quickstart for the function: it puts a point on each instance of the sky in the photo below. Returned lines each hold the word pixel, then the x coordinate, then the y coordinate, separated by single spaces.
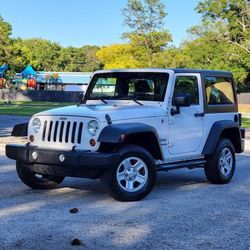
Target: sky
pixel 87 22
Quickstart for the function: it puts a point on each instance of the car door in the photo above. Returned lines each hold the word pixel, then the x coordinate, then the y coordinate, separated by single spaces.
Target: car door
pixel 186 128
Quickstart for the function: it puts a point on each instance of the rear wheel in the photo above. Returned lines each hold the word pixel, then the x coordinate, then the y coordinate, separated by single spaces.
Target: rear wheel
pixel 133 177
pixel 37 181
pixel 220 166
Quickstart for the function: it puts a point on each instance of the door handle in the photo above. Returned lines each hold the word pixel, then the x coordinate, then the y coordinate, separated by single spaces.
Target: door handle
pixel 199 114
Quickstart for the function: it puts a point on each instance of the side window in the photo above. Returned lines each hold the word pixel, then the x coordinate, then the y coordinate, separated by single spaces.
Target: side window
pixel 187 84
pixel 219 90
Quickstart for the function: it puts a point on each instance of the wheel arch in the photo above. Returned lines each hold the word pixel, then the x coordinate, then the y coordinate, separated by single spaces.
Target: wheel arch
pixel 223 129
pixel 139 134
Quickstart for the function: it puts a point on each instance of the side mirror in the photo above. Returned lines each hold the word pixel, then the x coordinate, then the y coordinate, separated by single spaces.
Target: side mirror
pixel 181 100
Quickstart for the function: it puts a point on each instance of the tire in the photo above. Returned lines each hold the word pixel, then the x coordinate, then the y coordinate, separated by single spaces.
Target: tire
pixel 36 181
pixel 133 177
pixel 220 166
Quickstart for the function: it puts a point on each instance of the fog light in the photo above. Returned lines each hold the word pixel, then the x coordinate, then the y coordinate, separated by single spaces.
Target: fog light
pixel 32 138
pixel 61 158
pixel 34 155
pixel 92 142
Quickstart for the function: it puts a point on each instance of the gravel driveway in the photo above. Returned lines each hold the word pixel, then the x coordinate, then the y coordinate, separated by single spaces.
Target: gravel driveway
pixel 183 211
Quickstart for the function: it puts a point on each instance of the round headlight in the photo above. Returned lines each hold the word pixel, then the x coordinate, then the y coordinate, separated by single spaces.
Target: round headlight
pixel 93 127
pixel 36 125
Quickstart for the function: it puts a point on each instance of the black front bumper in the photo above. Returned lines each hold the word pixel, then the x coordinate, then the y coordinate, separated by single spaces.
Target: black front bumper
pixel 77 163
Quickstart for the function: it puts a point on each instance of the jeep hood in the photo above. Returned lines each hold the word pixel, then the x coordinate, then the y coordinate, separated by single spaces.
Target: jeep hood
pixel 116 112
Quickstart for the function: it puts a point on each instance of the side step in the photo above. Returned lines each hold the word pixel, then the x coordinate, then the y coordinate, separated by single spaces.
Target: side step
pixel 181 164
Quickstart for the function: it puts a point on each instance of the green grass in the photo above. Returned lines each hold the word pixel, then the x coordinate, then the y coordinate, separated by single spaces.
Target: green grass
pixel 28 108
pixel 245 122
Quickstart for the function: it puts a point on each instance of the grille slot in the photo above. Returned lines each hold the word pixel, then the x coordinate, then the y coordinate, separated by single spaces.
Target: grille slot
pixel 73 133
pixel 79 137
pixel 44 130
pixel 55 131
pixel 67 132
pixel 63 132
pixel 50 130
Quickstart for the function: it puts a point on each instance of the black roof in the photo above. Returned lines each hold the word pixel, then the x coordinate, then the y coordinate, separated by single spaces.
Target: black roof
pixel 204 72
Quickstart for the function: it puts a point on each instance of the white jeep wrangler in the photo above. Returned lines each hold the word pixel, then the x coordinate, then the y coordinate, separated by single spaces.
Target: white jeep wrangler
pixel 131 124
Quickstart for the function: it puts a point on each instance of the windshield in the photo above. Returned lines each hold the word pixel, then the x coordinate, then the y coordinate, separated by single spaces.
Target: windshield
pixel 128 85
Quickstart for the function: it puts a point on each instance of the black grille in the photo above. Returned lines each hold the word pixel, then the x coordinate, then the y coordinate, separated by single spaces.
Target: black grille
pixel 63 132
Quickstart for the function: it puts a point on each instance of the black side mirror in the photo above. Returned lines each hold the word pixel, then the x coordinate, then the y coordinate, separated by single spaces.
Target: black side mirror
pixel 181 100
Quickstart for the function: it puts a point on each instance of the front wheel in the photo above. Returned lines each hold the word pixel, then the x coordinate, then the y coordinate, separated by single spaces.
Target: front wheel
pixel 133 177
pixel 220 166
pixel 37 181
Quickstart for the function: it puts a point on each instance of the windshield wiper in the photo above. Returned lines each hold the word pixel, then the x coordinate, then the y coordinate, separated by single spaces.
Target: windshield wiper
pixel 101 98
pixel 104 101
pixel 132 99
pixel 129 98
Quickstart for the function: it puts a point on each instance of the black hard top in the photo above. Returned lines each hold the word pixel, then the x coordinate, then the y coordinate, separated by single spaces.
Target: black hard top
pixel 205 72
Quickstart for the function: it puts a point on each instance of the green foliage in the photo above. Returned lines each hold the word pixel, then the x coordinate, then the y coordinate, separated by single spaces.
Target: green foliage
pixel 5 31
pixel 40 53
pixel 117 56
pixel 234 13
pixel 79 59
pixel 245 122
pixel 171 58
pixel 144 16
pixel 222 40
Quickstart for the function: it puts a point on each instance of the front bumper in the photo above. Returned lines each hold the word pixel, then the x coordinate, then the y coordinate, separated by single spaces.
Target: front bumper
pixel 76 163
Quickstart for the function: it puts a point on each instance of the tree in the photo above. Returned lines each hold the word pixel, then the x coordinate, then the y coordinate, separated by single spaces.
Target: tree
pixel 91 62
pixel 40 53
pixel 144 17
pixel 147 35
pixel 79 59
pixel 235 14
pixel 5 31
pixel 117 56
pixel 222 41
pixel 5 42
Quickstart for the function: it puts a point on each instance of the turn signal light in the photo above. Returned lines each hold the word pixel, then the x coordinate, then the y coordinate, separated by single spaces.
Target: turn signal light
pixel 32 138
pixel 92 142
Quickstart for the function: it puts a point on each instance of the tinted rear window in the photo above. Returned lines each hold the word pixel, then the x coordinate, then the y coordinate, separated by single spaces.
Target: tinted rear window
pixel 219 90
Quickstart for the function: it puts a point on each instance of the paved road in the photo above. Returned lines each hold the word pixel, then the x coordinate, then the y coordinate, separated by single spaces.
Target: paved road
pixel 184 211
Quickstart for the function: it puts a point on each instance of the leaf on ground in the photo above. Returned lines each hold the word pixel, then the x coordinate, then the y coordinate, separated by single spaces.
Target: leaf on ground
pixel 76 242
pixel 73 210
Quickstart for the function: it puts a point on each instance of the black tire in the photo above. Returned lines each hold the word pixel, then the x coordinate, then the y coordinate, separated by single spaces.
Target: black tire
pixel 31 179
pixel 116 190
pixel 215 170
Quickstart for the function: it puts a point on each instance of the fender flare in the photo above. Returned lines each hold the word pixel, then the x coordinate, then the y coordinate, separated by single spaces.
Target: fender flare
pixel 20 129
pixel 112 133
pixel 215 134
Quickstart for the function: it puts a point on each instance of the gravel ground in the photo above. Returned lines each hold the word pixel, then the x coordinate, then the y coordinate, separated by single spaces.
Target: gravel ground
pixel 183 211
